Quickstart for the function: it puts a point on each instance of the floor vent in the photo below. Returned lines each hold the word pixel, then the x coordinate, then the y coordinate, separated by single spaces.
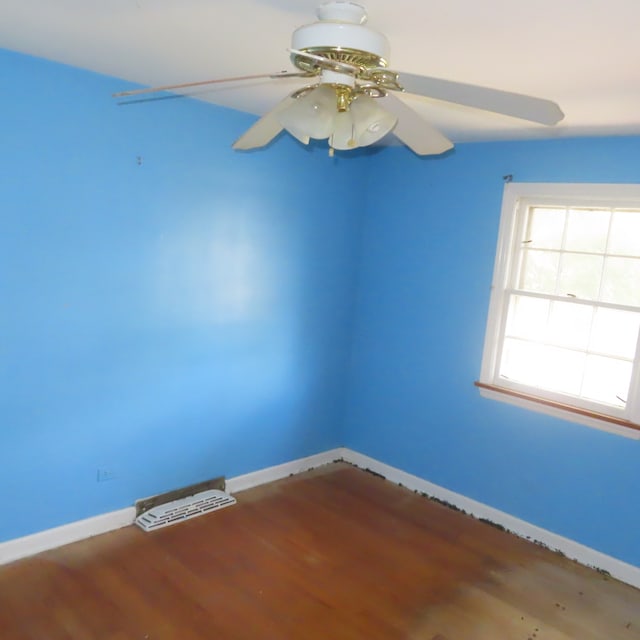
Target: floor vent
pixel 183 509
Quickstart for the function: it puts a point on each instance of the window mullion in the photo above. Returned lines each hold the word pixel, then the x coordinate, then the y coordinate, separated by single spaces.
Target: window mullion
pixel 563 247
pixel 606 253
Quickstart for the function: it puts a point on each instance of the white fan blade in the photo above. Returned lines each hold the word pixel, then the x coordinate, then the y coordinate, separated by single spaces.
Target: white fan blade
pixel 265 129
pixel 504 102
pixel 190 85
pixel 415 131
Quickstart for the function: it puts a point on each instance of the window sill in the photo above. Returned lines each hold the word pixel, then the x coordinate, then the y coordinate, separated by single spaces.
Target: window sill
pixel 559 410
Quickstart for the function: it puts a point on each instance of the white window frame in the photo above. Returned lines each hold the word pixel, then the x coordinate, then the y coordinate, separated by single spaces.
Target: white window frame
pixel 516 198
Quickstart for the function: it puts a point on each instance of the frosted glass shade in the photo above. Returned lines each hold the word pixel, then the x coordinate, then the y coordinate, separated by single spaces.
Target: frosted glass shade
pixel 315 115
pixel 312 114
pixel 372 122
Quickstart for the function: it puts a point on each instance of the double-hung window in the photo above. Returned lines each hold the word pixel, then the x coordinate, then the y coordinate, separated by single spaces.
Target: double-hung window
pixel 564 315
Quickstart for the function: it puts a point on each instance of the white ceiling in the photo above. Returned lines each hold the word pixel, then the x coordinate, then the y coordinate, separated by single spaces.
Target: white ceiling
pixel 583 54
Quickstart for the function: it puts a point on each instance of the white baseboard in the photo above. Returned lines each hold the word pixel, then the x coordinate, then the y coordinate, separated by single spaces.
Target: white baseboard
pixel 81 529
pixel 51 538
pixel 249 480
pixel 584 555
pixel 67 533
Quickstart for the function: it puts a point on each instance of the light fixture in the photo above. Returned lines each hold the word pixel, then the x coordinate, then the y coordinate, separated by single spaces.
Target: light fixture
pixel 311 114
pixel 372 122
pixel 337 108
pixel 348 117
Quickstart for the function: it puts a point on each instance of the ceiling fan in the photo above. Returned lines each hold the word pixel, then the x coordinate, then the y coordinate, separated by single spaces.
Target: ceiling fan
pixel 349 96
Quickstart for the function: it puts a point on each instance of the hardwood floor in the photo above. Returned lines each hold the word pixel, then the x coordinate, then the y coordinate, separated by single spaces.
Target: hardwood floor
pixel 334 554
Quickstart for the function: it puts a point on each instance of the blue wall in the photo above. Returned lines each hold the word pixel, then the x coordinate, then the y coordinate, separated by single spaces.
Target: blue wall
pixel 427 260
pixel 171 310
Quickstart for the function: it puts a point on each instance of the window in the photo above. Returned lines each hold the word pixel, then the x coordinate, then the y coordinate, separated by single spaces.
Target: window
pixel 564 315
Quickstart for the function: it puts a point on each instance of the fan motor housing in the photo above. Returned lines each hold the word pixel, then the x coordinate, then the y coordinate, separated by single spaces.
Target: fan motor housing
pixel 341 35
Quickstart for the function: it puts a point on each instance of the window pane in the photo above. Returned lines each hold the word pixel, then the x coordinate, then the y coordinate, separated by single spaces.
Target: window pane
pixel 527 317
pixel 587 230
pixel 546 227
pixel 621 281
pixel 522 361
pixel 606 380
pixel 625 233
pixel 563 370
pixel 540 366
pixel 539 271
pixel 615 333
pixel 580 276
pixel 570 324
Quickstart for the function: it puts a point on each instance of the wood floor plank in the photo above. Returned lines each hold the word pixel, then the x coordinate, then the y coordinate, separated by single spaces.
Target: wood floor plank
pixel 336 553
